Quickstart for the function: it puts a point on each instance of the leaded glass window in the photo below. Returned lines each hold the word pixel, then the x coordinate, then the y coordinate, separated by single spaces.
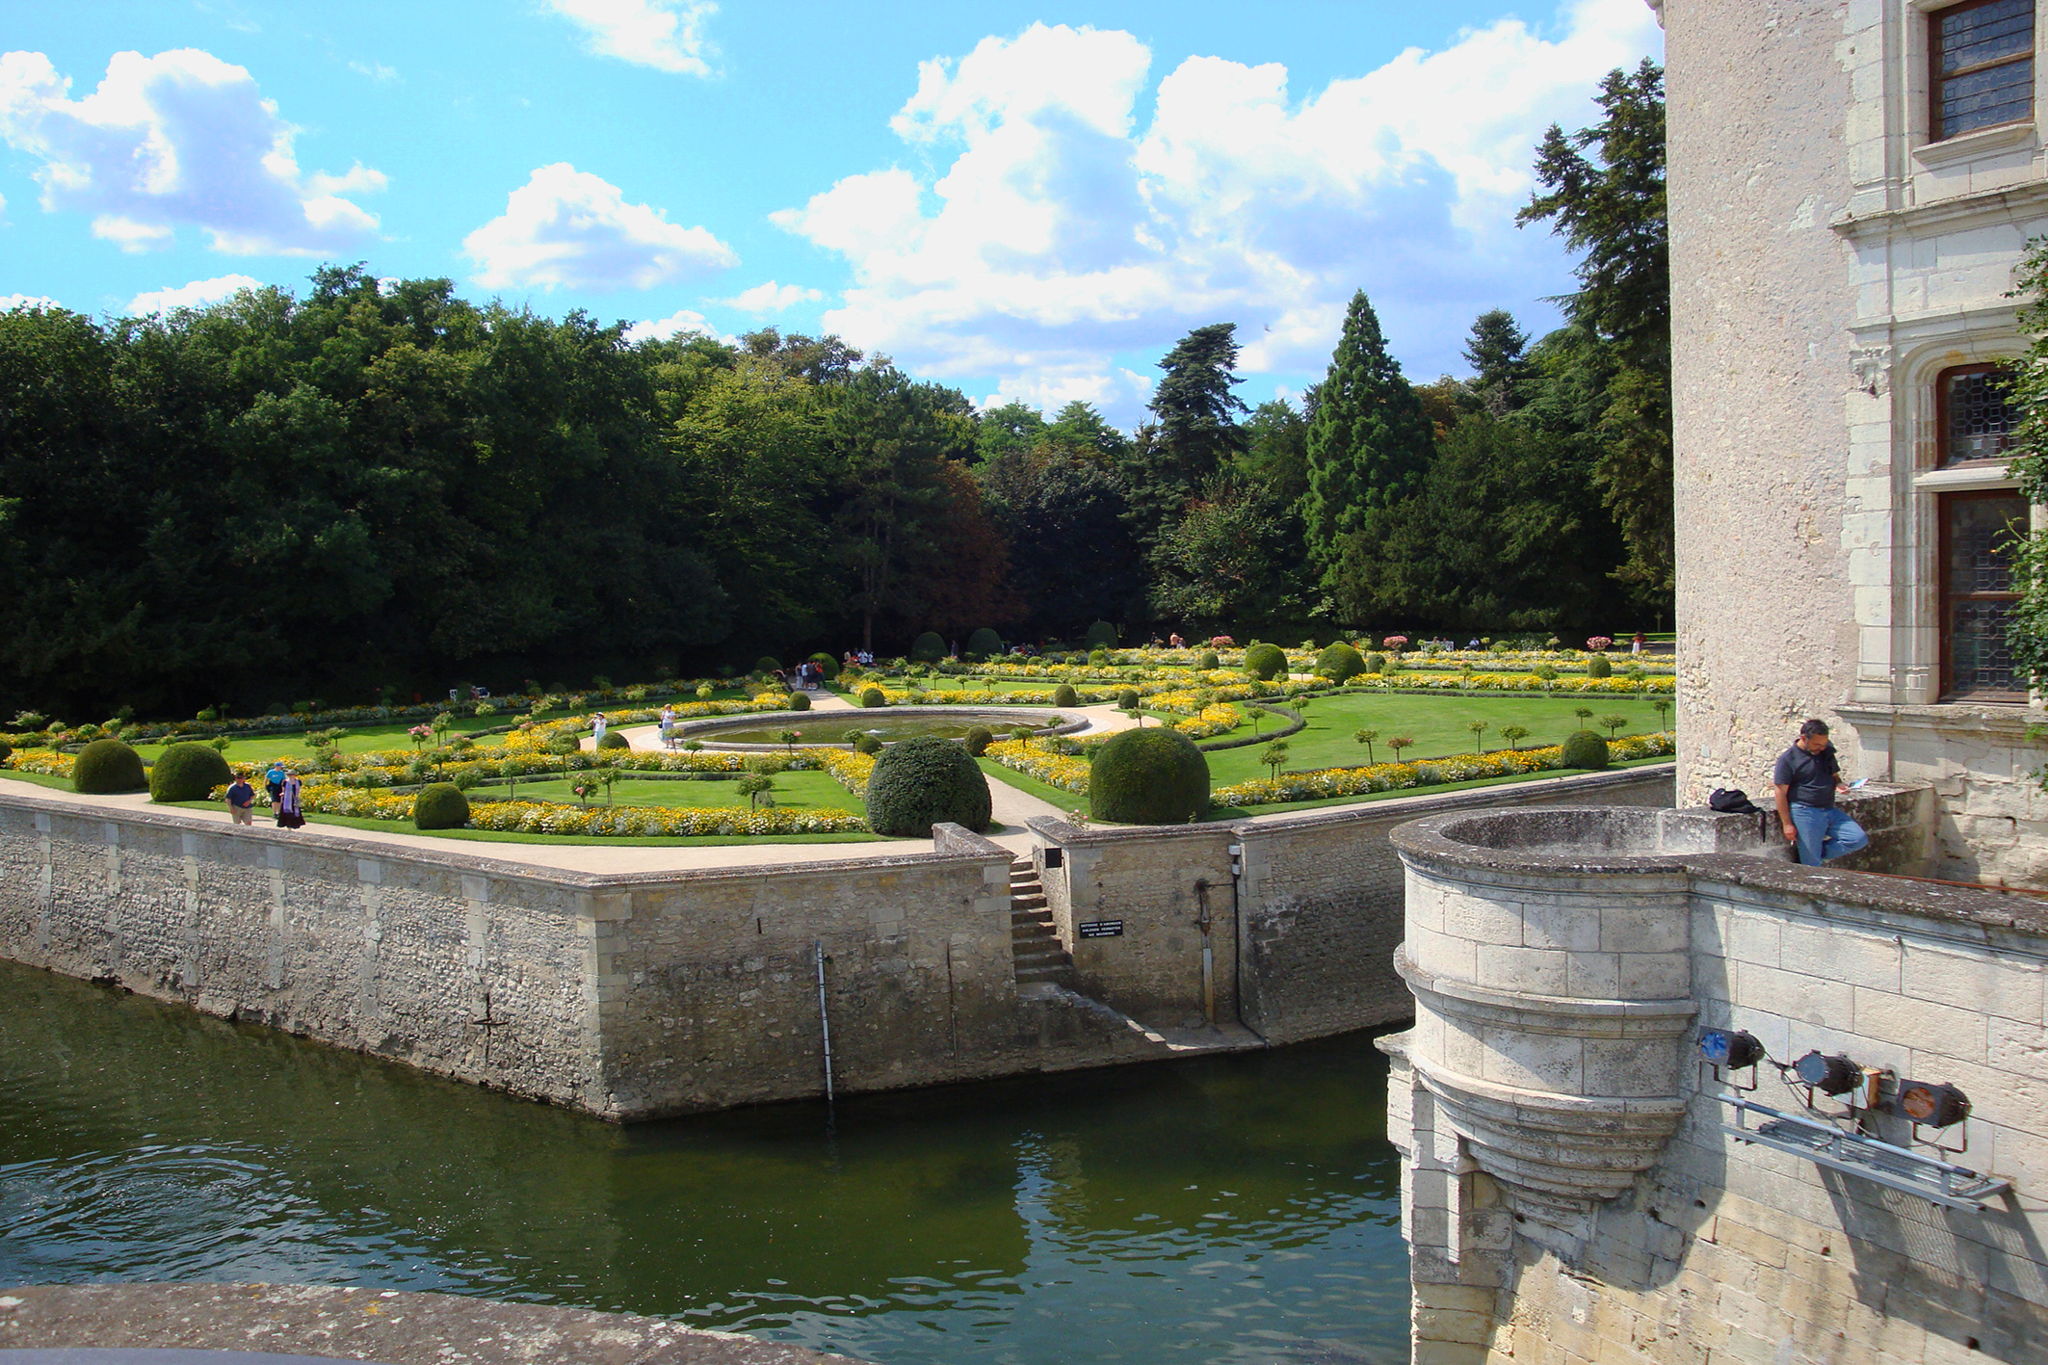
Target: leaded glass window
pixel 1983 57
pixel 1977 534
pixel 1977 415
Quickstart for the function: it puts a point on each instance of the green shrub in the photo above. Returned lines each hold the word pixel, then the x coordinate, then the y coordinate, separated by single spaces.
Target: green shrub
pixel 799 701
pixel 1375 663
pixel 6 752
pixel 985 642
pixel 826 662
pixel 1339 662
pixel 872 696
pixel 1127 700
pixel 1065 695
pixel 188 772
pixel 1598 667
pixel 977 741
pixel 928 648
pixel 440 805
pixel 867 744
pixel 1207 659
pixel 767 663
pixel 1098 658
pixel 1149 777
pixel 920 782
pixel 1264 662
pixel 107 766
pixel 1585 749
pixel 1101 635
pixel 614 739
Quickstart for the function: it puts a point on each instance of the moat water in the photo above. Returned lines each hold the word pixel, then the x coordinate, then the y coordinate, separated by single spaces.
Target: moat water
pixel 1231 1209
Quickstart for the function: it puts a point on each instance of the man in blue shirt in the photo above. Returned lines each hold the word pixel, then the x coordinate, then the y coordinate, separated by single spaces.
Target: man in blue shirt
pixel 1807 777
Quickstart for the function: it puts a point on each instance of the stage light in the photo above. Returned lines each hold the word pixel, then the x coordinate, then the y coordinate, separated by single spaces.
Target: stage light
pixel 1932 1105
pixel 1835 1075
pixel 1731 1048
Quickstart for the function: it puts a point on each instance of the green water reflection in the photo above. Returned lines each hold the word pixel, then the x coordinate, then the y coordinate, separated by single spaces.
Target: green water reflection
pixel 1231 1209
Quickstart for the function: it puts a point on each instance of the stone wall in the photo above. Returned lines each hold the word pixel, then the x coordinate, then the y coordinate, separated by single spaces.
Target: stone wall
pixel 1315 905
pixel 1573 1201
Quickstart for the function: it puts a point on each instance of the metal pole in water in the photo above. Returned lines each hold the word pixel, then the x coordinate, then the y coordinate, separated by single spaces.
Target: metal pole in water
pixel 824 1022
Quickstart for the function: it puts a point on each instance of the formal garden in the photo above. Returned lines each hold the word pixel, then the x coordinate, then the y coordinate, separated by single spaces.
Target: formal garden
pixel 1226 731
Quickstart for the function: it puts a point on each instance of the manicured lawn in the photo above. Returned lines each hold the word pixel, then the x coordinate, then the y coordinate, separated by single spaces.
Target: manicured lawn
pixel 1236 812
pixel 802 790
pixel 1436 724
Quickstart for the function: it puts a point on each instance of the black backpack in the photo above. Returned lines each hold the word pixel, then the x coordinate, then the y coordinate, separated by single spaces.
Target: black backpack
pixel 1734 802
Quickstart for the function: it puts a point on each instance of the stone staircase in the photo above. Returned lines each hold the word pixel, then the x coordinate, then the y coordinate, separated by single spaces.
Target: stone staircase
pixel 1034 941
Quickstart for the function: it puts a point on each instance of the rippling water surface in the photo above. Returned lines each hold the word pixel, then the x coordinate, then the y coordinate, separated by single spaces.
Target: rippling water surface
pixel 1239 1209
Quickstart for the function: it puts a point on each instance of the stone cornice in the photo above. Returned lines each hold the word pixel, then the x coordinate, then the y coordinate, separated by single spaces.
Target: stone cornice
pixel 1945 215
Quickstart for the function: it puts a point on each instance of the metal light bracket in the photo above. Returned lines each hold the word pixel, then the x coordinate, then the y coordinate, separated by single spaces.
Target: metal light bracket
pixel 1897 1168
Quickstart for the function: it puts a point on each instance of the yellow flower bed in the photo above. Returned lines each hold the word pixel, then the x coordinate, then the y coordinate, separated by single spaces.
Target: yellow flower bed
pixel 849 769
pixel 1383 777
pixel 1219 719
pixel 47 762
pixel 1058 770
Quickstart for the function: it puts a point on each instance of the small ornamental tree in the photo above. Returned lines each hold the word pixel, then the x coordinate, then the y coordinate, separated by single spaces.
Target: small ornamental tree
pixel 1613 723
pixel 1514 735
pixel 1366 737
pixel 1149 777
pixel 1478 729
pixel 1398 743
pixel 1274 757
pixel 920 782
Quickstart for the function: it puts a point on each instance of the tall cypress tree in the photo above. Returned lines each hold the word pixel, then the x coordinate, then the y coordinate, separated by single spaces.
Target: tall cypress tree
pixel 1369 444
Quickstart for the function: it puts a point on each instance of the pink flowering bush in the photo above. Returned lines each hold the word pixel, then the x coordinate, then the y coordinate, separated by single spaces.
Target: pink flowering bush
pixel 1222 642
pixel 1598 643
pixel 1397 643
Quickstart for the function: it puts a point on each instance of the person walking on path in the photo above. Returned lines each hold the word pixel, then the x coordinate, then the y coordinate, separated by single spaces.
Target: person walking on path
pixel 1806 778
pixel 289 815
pixel 241 801
pixel 273 781
pixel 597 730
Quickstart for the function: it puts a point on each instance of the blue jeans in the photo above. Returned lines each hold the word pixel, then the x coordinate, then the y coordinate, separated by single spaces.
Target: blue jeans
pixel 1826 833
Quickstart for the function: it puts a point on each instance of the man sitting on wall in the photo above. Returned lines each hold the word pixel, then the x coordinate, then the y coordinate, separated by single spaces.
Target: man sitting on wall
pixel 1807 777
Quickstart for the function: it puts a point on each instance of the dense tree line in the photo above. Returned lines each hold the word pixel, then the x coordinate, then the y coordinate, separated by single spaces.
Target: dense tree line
pixel 383 487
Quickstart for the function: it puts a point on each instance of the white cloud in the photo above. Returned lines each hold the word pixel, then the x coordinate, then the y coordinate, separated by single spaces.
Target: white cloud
pixel 178 138
pixel 194 295
pixel 1049 393
pixel 771 297
pixel 667 35
pixel 661 329
pixel 10 302
pixel 1073 224
pixel 566 228
pixel 376 71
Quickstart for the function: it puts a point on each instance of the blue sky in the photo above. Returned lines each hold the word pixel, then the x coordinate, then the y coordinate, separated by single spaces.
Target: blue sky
pixel 1025 201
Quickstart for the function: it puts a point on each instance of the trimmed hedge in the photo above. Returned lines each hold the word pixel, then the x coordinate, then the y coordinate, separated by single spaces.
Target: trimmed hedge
pixel 1207 660
pixel 1101 634
pixel 985 642
pixel 1265 661
pixel 872 696
pixel 928 648
pixel 1127 700
pixel 867 744
pixel 1149 777
pixel 441 805
pixel 799 701
pixel 107 767
pixel 826 662
pixel 1065 695
pixel 1585 749
pixel 1339 663
pixel 614 739
pixel 920 782
pixel 977 741
pixel 1597 666
pixel 188 772
pixel 1375 663
pixel 767 663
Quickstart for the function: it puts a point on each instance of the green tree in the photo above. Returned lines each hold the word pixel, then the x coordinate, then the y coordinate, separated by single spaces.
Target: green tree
pixel 1368 447
pixel 1224 565
pixel 1195 435
pixel 1497 351
pixel 1610 208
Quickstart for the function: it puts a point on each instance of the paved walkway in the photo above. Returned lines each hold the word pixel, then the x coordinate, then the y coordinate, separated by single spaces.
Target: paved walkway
pixel 1009 806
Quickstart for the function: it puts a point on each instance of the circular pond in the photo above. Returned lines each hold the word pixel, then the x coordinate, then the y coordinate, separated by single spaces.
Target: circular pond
pixel 886 724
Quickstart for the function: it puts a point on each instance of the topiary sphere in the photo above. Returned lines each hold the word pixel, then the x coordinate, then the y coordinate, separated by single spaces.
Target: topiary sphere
pixel 767 663
pixel 6 752
pixel 920 782
pixel 827 663
pixel 1585 749
pixel 1065 695
pixel 440 805
pixel 872 696
pixel 1375 663
pixel 1101 635
pixel 977 741
pixel 107 766
pixel 614 739
pixel 1598 667
pixel 1339 662
pixel 928 648
pixel 188 772
pixel 1149 777
pixel 1127 700
pixel 1208 659
pixel 985 642
pixel 799 701
pixel 1264 662
pixel 1098 658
